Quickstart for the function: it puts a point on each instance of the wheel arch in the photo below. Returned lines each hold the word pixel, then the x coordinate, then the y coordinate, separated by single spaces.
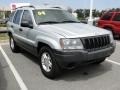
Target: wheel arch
pixel 41 44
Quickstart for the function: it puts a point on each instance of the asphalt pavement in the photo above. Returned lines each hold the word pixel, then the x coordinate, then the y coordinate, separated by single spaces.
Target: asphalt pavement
pixel 105 76
pixel 7 80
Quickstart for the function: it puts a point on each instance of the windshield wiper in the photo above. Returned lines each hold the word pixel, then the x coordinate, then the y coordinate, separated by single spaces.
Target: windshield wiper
pixel 55 22
pixel 48 22
pixel 70 21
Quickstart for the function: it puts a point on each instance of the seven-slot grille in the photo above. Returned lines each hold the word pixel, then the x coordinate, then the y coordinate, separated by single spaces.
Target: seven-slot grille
pixel 93 43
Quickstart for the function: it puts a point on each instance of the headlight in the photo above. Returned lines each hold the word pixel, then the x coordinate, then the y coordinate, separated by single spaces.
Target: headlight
pixel 71 44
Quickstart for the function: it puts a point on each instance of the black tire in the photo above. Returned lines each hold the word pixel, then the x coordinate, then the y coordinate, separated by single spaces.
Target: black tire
pixel 14 48
pixel 99 61
pixel 55 70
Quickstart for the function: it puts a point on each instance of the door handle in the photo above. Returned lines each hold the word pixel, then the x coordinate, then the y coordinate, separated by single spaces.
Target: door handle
pixel 20 30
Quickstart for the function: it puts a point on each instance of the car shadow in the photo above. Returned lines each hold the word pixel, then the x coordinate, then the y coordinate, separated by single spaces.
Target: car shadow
pixel 82 73
pixel 3 81
pixel 117 38
pixel 86 72
pixel 30 56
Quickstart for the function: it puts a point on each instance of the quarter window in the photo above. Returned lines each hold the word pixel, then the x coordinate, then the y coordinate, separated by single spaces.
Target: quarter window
pixel 117 17
pixel 17 17
pixel 11 16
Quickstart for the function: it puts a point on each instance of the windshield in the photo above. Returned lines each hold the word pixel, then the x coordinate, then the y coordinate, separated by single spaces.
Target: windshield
pixel 53 16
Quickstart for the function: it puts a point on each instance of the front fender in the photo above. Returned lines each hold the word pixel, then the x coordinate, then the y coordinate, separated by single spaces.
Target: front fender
pixel 53 43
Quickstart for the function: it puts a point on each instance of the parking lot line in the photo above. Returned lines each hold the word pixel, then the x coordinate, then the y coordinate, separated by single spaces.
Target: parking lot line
pixel 113 62
pixel 14 71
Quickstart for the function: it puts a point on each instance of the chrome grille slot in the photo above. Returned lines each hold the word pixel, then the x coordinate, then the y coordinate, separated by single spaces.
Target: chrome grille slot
pixel 93 43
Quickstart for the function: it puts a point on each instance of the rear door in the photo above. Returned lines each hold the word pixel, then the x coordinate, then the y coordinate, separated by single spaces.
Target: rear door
pixel 16 24
pixel 116 22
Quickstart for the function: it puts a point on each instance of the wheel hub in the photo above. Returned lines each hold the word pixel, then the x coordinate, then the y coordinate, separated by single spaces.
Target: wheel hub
pixel 46 62
pixel 12 43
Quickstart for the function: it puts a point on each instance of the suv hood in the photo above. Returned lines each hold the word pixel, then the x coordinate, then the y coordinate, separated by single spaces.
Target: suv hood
pixel 73 30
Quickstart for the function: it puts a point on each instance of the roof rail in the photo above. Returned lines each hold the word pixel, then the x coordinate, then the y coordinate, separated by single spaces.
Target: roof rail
pixel 31 6
pixel 57 7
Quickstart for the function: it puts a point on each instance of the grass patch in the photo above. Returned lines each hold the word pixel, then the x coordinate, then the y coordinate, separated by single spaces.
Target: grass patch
pixel 4 36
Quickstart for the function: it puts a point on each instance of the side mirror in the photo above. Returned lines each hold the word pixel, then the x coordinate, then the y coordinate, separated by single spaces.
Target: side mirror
pixel 26 24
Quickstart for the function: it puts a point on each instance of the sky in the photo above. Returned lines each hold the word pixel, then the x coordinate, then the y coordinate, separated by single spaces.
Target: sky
pixel 75 4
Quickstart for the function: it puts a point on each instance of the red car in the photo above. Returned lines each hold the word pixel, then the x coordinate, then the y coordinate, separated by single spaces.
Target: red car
pixel 111 21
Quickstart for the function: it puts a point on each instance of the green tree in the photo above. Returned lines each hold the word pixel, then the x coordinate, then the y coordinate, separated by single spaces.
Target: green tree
pixel 80 13
pixel 1 15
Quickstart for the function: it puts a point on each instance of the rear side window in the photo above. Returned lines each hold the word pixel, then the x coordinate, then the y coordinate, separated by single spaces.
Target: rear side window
pixel 117 17
pixel 107 16
pixel 17 16
pixel 11 16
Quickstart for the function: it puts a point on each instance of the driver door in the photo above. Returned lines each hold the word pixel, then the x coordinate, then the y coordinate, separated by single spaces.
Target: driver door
pixel 25 42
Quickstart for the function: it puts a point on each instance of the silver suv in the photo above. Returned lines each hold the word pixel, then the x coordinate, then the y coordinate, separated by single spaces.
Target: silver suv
pixel 58 39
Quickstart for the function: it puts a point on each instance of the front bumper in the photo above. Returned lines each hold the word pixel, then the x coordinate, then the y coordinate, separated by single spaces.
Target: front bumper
pixel 73 58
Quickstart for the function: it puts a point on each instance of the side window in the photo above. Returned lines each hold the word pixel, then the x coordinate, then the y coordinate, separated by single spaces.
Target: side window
pixel 17 17
pixel 27 17
pixel 11 16
pixel 107 16
pixel 117 17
